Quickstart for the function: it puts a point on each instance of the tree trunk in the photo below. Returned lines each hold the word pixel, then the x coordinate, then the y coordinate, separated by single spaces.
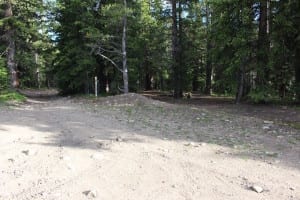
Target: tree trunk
pixel 11 50
pixel 147 72
pixel 181 71
pixel 208 67
pixel 124 53
pixel 196 73
pixel 195 82
pixel 175 52
pixel 263 44
pixel 241 84
pixel 148 84
pixel 296 22
pixel 161 81
pixel 297 73
pixel 208 70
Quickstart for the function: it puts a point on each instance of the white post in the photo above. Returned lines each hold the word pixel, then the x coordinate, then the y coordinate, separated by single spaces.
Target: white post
pixel 96 86
pixel 38 77
pixel 107 87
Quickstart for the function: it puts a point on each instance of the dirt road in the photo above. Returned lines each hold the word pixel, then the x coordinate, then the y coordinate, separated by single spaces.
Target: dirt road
pixel 130 147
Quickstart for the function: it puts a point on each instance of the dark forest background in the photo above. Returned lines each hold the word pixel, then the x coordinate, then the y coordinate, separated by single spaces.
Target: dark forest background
pixel 249 49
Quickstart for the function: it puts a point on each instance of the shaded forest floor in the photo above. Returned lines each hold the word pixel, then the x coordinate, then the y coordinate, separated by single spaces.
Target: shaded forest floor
pixel 288 115
pixel 133 147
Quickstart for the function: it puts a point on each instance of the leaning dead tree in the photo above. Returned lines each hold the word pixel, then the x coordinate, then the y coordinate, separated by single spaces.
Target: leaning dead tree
pixel 104 49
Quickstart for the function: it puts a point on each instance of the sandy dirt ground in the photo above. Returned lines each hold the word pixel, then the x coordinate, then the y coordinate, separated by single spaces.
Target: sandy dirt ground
pixel 132 148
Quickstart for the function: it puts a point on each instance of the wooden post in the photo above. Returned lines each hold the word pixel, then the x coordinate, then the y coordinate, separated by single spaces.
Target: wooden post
pixel 96 86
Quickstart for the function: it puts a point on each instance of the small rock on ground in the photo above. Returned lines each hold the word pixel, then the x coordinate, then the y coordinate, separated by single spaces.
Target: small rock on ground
pixel 90 193
pixel 192 144
pixel 119 139
pixel 97 156
pixel 29 152
pixel 257 188
pixel 268 122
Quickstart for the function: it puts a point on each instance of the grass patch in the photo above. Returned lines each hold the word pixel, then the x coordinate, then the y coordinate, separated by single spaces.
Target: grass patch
pixel 11 96
pixel 89 96
pixel 295 125
pixel 272 154
pixel 292 141
pixel 297 107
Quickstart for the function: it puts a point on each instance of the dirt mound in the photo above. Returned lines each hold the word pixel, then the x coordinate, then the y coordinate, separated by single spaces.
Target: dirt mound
pixel 32 93
pixel 131 99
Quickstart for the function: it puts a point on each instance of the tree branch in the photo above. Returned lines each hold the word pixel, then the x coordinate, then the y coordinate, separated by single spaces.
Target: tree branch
pixel 4 52
pixel 110 51
pixel 108 59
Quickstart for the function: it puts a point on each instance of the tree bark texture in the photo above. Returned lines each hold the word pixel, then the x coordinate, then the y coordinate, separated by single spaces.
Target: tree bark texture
pixel 176 51
pixel 208 67
pixel 263 44
pixel 297 73
pixel 296 6
pixel 11 50
pixel 208 70
pixel 241 84
pixel 124 53
pixel 195 82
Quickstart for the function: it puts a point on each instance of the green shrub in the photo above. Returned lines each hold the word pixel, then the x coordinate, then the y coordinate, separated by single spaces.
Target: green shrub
pixel 7 95
pixel 3 75
pixel 262 95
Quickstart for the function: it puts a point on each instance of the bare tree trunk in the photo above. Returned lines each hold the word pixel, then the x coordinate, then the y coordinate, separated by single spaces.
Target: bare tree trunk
pixel 296 20
pixel 11 50
pixel 208 67
pixel 124 53
pixel 174 46
pixel 208 70
pixel 297 72
pixel 175 52
pixel 241 84
pixel 263 43
pixel 179 60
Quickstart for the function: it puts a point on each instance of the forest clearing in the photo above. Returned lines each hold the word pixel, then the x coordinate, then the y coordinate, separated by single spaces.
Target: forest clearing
pixel 150 99
pixel 133 147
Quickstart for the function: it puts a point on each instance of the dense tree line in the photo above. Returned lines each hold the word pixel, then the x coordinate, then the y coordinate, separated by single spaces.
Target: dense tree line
pixel 23 43
pixel 248 48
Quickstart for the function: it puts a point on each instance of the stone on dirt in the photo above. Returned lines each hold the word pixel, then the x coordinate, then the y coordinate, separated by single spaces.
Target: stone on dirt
pixel 292 188
pixel 203 144
pixel 119 139
pixel 29 152
pixel 192 144
pixel 268 122
pixel 97 156
pixel 65 158
pixel 90 193
pixel 257 188
pixel 271 154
